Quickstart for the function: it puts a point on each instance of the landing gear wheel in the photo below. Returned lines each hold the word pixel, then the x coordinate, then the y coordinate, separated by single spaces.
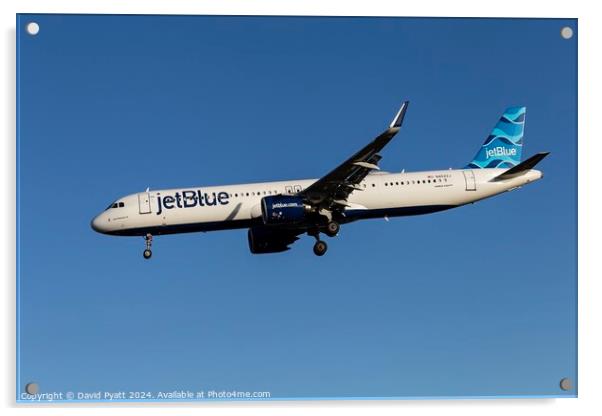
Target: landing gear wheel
pixel 332 229
pixel 149 242
pixel 320 248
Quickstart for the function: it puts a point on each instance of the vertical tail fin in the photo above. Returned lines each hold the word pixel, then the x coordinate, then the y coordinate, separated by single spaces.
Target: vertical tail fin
pixel 504 146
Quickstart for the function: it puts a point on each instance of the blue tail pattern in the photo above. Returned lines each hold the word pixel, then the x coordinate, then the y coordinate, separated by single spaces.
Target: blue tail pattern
pixel 503 148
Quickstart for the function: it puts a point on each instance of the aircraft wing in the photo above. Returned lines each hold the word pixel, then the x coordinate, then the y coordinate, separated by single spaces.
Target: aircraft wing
pixel 332 190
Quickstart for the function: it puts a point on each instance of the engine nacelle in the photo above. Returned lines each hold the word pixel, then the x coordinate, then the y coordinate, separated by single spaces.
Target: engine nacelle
pixel 262 240
pixel 283 209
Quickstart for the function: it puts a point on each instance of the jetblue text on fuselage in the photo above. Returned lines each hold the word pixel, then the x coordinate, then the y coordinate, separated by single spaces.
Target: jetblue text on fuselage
pixel 190 199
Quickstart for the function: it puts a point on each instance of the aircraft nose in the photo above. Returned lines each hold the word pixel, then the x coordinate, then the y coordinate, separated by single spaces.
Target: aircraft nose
pixel 97 224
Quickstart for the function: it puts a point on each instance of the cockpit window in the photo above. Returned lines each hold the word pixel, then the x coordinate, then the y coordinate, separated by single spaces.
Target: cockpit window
pixel 121 205
pixel 114 205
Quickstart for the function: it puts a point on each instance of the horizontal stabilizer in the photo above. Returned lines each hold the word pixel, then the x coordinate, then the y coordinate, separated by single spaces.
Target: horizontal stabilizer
pixel 522 167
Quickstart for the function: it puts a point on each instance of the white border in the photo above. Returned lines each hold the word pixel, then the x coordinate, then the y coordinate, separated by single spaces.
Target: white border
pixel 589 224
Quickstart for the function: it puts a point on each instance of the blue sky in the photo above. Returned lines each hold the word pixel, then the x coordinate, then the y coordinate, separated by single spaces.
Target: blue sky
pixel 479 300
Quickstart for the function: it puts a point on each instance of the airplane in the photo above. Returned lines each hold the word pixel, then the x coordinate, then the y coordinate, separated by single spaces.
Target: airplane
pixel 277 213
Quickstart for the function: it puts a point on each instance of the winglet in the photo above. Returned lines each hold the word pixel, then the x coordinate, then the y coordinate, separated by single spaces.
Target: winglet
pixel 396 123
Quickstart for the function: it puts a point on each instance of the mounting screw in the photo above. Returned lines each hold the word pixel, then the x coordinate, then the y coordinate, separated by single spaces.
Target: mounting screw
pixel 31 388
pixel 565 384
pixel 32 28
pixel 566 32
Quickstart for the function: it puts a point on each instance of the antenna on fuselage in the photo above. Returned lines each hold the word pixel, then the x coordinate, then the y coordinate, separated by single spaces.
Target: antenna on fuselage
pixel 147 189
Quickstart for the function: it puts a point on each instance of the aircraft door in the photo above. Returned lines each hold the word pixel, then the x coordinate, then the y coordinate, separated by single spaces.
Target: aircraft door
pixel 144 205
pixel 471 184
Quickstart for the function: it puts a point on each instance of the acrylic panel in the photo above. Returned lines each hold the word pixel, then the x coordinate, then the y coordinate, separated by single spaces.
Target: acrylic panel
pixel 438 283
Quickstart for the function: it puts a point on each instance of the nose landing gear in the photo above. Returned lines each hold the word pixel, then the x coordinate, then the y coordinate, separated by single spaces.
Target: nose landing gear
pixel 149 241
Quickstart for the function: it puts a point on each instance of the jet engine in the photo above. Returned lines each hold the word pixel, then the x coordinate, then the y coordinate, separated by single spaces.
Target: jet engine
pixel 283 210
pixel 267 240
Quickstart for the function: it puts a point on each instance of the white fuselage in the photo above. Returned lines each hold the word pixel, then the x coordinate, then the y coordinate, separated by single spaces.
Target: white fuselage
pixel 239 206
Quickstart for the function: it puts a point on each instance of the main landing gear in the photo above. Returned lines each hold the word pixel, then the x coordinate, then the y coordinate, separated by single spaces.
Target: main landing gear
pixel 320 248
pixel 331 230
pixel 149 242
